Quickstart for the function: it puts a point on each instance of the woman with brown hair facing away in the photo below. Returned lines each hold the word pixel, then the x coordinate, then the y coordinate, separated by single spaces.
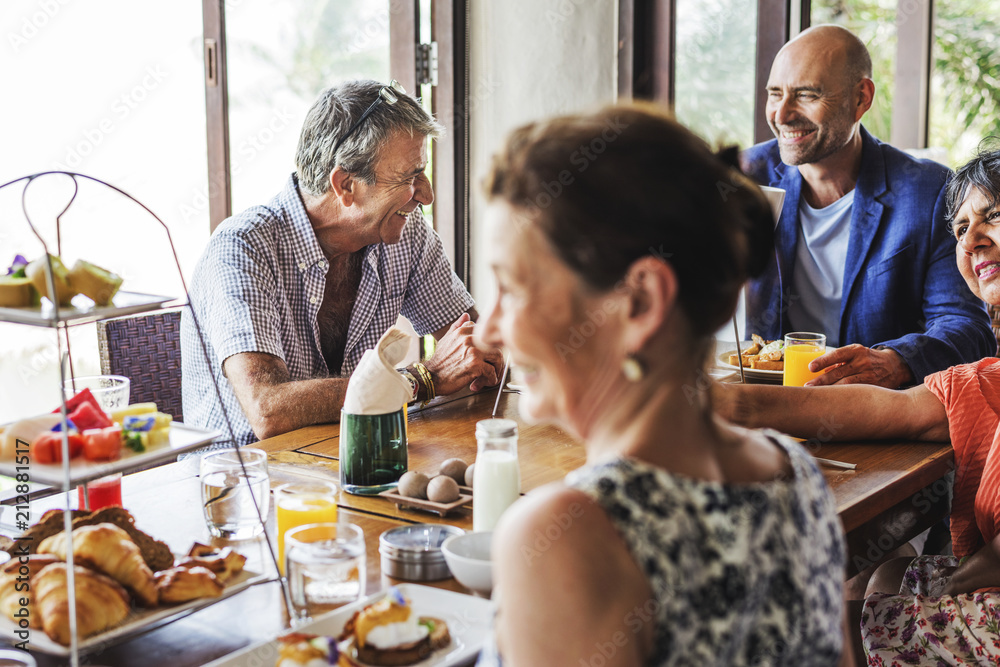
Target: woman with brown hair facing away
pixel 619 242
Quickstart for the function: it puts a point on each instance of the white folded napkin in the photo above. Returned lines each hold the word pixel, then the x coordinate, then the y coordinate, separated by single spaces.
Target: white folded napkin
pixel 375 387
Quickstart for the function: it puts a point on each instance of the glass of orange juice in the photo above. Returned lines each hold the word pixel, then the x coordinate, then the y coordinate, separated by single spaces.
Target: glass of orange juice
pixel 300 503
pixel 800 349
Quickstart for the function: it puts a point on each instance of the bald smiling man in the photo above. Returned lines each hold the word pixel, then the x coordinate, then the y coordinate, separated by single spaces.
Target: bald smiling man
pixel 863 252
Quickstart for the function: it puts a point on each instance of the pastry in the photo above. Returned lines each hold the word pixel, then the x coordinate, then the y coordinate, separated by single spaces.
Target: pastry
pixel 36 271
pixel 100 602
pixel 108 549
pixel 224 563
pixel 389 633
pixel 156 553
pixel 92 281
pixel 50 524
pixel 16 598
pixel 181 584
pixel 300 649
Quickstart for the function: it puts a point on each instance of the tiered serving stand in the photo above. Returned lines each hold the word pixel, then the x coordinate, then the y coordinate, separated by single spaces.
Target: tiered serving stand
pixel 82 310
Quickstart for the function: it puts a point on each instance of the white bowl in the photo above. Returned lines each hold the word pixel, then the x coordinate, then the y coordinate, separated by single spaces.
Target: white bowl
pixel 468 558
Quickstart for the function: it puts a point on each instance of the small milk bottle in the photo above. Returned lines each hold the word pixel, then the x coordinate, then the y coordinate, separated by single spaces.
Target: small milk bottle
pixel 496 479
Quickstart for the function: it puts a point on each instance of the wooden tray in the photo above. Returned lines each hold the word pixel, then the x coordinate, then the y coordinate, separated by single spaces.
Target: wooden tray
pixel 441 509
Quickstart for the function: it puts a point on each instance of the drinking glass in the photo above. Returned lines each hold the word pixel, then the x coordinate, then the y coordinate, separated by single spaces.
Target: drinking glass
pixel 111 391
pixel 800 349
pixel 325 563
pixel 226 488
pixel 372 451
pixel 300 503
pixel 100 493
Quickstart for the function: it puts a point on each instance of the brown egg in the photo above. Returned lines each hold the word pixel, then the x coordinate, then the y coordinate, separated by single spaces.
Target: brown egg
pixel 442 489
pixel 454 468
pixel 413 484
pixel 468 474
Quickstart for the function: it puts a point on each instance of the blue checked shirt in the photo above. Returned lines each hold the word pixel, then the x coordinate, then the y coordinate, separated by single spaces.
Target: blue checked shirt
pixel 259 285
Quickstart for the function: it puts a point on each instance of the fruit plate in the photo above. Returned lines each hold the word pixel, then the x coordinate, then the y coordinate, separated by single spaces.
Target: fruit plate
pixel 183 438
pixel 138 622
pixel 441 509
pixel 722 361
pixel 82 310
pixel 468 620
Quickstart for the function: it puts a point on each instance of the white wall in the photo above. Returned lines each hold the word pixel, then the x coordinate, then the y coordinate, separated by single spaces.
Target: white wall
pixel 530 59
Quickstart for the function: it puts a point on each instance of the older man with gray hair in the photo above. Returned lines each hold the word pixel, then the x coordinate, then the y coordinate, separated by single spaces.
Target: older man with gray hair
pixel 289 295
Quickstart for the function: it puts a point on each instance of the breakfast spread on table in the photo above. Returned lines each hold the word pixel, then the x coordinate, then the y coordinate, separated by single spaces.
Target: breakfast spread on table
pixel 26 282
pixel 762 355
pixel 116 566
pixel 92 433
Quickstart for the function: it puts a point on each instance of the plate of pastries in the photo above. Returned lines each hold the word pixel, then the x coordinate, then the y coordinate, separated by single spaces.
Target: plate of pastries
pixel 126 581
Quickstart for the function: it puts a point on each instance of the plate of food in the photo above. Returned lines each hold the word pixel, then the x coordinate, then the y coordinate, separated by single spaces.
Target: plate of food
pixel 127 582
pixel 442 629
pixel 763 360
pixel 99 442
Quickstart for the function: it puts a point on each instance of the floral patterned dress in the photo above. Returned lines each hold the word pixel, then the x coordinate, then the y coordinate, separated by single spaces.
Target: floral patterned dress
pixel 920 625
pixel 745 574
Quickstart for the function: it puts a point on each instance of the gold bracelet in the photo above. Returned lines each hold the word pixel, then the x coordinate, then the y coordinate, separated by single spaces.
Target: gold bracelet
pixel 428 380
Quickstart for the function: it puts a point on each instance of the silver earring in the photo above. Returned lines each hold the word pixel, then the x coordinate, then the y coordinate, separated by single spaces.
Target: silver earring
pixel 632 368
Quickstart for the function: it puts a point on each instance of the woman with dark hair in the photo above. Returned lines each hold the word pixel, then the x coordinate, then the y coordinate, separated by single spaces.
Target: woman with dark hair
pixel 619 243
pixel 939 610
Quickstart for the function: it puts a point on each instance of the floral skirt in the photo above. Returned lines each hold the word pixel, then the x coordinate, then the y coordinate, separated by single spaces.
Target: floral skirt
pixel 919 626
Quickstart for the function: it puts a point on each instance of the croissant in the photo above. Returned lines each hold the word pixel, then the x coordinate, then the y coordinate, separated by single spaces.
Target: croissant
pixel 100 602
pixel 16 597
pixel 108 549
pixel 180 584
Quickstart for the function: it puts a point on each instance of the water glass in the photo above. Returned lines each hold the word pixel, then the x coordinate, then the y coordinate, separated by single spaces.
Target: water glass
pixel 111 391
pixel 372 451
pixel 229 489
pixel 800 349
pixel 325 566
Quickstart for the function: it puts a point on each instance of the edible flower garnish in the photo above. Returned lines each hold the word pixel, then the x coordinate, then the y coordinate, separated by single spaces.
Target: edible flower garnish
pixel 69 425
pixel 138 423
pixel 396 596
pixel 16 269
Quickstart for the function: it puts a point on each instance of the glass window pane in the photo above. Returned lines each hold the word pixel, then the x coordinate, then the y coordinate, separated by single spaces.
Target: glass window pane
pixel 874 21
pixel 965 82
pixel 714 81
pixel 112 89
pixel 281 54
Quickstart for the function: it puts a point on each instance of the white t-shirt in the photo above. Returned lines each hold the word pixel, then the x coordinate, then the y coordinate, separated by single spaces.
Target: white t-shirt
pixel 820 257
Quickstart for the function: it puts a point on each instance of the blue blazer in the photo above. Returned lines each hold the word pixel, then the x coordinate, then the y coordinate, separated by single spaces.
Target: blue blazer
pixel 902 288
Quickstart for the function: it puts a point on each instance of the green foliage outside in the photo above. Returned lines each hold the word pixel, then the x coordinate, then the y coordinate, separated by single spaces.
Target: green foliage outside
pixel 965 86
pixel 716 47
pixel 874 21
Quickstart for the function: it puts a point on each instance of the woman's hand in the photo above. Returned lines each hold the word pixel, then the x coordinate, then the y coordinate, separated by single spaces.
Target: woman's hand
pixel 980 570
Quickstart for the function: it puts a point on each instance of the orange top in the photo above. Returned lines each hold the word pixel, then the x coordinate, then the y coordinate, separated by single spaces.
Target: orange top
pixel 971 396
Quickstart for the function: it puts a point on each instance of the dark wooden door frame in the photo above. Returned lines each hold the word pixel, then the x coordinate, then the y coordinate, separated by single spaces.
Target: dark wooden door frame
pixel 646 38
pixel 451 106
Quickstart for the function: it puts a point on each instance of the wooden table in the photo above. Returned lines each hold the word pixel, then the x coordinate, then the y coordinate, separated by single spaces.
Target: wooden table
pixel 896 492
